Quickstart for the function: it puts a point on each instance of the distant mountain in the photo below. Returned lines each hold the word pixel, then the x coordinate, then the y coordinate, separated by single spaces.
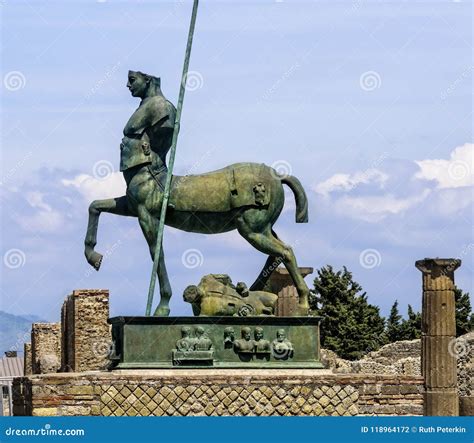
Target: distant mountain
pixel 15 330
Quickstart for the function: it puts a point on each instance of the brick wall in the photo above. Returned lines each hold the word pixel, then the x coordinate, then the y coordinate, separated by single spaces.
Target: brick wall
pixel 86 335
pixel 45 347
pixel 27 359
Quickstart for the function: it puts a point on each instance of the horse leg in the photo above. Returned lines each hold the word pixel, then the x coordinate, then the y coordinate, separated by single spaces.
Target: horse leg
pixel 265 242
pixel 118 206
pixel 270 265
pixel 149 225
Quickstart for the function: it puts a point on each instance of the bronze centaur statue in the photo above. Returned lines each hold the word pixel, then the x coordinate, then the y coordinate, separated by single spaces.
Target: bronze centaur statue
pixel 248 197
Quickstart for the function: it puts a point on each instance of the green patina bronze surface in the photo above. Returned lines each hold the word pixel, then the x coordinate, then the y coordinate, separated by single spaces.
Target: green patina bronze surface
pixel 215 295
pixel 220 342
pixel 247 197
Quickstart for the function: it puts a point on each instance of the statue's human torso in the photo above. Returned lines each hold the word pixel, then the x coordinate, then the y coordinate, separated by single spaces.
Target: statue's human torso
pixel 148 131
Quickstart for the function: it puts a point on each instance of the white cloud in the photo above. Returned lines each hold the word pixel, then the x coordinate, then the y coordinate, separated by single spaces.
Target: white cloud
pixel 395 191
pixel 375 208
pixel 92 188
pixel 42 221
pixel 456 172
pixel 46 219
pixel 347 182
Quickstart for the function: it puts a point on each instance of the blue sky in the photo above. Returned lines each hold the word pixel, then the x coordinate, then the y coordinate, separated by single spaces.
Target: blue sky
pixel 368 103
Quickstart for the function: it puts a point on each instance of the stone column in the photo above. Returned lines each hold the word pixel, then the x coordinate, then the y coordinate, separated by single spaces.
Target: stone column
pixel 438 335
pixel 282 284
pixel 45 347
pixel 86 335
pixel 27 360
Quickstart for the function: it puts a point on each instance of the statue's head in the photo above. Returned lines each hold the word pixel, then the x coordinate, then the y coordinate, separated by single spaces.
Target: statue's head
pixel 229 333
pixel 192 294
pixel 242 289
pixel 258 334
pixel 185 331
pixel 281 335
pixel 246 333
pixel 199 331
pixel 141 85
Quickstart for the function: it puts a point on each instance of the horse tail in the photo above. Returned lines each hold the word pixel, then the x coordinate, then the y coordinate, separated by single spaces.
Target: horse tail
pixel 300 197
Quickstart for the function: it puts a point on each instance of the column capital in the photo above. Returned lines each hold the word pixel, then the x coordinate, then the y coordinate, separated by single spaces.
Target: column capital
pixel 438 265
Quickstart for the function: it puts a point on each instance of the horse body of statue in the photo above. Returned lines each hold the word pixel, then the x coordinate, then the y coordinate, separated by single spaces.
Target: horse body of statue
pixel 248 197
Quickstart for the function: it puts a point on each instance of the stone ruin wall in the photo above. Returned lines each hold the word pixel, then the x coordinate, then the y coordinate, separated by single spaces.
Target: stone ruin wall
pixel 86 335
pixel 79 343
pixel 45 347
pixel 404 358
pixel 218 392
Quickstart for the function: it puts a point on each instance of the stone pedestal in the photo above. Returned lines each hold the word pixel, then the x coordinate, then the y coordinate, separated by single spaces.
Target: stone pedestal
pixel 211 392
pixel 27 360
pixel 45 347
pixel 281 283
pixel 221 342
pixel 438 360
pixel 85 334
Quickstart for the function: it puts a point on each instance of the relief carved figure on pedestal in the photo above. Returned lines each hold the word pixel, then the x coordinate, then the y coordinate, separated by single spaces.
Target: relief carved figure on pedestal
pixel 245 345
pixel 262 346
pixel 229 337
pixel 282 347
pixel 196 351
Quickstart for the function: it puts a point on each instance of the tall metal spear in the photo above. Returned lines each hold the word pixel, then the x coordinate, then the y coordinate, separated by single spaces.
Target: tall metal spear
pixel 161 225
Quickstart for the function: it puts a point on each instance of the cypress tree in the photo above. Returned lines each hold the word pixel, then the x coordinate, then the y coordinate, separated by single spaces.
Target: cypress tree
pixel 464 315
pixel 394 327
pixel 351 326
pixel 411 327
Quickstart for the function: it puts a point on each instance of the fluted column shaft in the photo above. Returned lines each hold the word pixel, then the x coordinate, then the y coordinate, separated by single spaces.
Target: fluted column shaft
pixel 438 332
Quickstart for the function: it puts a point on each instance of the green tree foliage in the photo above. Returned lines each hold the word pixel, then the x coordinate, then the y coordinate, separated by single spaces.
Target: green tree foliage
pixel 399 328
pixel 411 327
pixel 464 315
pixel 394 325
pixel 351 326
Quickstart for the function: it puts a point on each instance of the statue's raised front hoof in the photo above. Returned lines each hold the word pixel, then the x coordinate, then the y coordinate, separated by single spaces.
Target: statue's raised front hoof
pixel 162 311
pixel 94 259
